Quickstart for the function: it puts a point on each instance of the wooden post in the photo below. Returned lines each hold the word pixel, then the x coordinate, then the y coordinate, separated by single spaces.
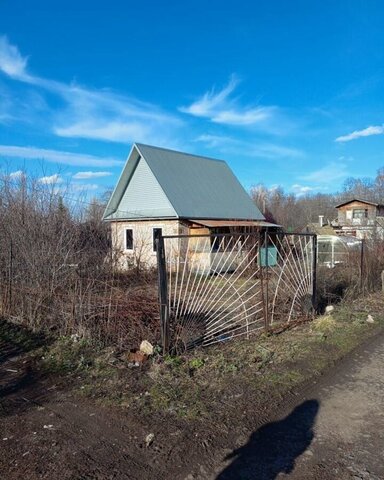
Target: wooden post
pixel 382 281
pixel 163 294
pixel 362 266
pixel 314 271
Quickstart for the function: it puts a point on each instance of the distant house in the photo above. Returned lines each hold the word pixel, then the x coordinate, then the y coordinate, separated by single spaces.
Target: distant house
pixel 166 192
pixel 360 218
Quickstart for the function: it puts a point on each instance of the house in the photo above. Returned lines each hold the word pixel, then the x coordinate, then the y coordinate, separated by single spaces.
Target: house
pixel 166 192
pixel 360 218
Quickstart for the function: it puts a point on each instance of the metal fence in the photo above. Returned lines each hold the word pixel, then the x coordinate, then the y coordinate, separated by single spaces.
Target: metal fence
pixel 213 288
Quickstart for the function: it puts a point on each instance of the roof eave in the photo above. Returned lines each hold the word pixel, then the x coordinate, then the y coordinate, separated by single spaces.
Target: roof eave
pixel 358 200
pixel 109 210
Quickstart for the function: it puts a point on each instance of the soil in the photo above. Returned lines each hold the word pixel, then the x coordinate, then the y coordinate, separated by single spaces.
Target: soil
pixel 331 428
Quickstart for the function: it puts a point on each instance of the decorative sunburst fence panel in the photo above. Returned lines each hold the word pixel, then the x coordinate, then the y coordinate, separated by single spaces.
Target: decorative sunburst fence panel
pixel 213 288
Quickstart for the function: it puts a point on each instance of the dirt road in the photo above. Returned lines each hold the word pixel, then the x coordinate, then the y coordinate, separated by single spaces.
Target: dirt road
pixel 332 430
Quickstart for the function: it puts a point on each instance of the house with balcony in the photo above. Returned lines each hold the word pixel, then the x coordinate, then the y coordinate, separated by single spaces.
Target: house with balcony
pixel 361 219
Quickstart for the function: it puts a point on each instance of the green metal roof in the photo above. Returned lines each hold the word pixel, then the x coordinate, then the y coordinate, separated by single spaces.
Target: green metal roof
pixel 196 187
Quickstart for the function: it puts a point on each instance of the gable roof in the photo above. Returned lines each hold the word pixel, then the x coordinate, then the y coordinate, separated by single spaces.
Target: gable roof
pixel 357 200
pixel 185 186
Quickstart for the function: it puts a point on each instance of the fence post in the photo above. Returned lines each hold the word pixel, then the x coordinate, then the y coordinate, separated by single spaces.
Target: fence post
pixel 314 271
pixel 163 293
pixel 267 280
pixel 362 266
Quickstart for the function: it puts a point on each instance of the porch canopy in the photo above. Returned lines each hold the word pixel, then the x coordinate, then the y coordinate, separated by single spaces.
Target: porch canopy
pixel 233 223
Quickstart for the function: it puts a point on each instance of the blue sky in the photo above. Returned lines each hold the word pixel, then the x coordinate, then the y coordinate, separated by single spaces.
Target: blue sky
pixel 290 93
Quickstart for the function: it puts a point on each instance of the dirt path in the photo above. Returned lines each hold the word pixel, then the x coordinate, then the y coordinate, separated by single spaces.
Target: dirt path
pixel 332 430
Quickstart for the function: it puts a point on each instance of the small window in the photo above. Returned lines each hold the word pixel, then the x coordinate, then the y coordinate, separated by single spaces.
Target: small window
pixel 360 213
pixel 219 242
pixel 157 232
pixel 128 239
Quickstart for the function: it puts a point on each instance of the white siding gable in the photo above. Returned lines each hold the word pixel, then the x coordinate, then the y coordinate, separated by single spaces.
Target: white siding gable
pixel 143 196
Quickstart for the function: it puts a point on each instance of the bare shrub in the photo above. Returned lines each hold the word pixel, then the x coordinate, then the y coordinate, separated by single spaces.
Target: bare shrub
pixel 357 275
pixel 57 269
pixel 373 265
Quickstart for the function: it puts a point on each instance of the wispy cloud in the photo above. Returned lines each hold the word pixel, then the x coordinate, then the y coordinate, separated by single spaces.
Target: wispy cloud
pixel 51 179
pixel 11 61
pixel 366 132
pixel 300 190
pixel 219 107
pixel 214 141
pixel 331 172
pixel 88 175
pixel 229 145
pixel 90 113
pixel 57 156
pixel 84 187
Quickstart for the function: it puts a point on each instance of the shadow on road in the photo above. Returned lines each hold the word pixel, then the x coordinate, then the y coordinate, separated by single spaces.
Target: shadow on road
pixel 17 376
pixel 274 447
pixel 16 340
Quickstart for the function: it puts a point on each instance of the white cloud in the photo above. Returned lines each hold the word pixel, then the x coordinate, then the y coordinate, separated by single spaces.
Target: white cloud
pixel 57 156
pixel 220 108
pixel 245 117
pixel 269 150
pixel 300 190
pixel 87 175
pixel 51 179
pixel 94 114
pixel 228 145
pixel 331 172
pixel 112 131
pixel 366 132
pixel 214 141
pixel 211 101
pixel 11 61
pixel 84 187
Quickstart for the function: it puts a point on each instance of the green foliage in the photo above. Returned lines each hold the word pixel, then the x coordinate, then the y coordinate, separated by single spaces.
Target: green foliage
pixel 196 363
pixel 67 355
pixel 173 362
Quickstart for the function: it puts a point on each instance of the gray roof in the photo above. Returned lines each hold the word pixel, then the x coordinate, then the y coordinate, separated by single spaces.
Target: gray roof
pixel 358 200
pixel 196 187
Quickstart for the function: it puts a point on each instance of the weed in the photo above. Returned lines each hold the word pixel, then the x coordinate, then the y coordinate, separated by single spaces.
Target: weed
pixel 325 325
pixel 67 355
pixel 173 362
pixel 196 363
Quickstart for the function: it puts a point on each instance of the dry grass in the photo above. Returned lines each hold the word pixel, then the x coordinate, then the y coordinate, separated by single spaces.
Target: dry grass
pixel 207 383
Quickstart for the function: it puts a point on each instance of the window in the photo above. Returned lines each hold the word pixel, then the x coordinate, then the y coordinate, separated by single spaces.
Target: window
pixel 360 213
pixel 219 243
pixel 157 232
pixel 128 239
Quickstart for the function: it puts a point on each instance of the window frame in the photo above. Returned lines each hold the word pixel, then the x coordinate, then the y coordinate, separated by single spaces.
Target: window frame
pixel 125 239
pixel 360 217
pixel 154 250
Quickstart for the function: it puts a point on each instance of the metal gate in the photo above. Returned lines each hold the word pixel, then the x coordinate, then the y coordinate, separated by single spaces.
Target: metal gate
pixel 213 288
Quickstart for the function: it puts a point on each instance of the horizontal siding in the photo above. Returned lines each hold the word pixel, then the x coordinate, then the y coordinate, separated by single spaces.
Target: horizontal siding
pixel 144 197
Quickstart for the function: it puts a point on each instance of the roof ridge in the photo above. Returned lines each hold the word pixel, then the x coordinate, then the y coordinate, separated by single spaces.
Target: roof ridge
pixel 180 152
pixel 356 199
